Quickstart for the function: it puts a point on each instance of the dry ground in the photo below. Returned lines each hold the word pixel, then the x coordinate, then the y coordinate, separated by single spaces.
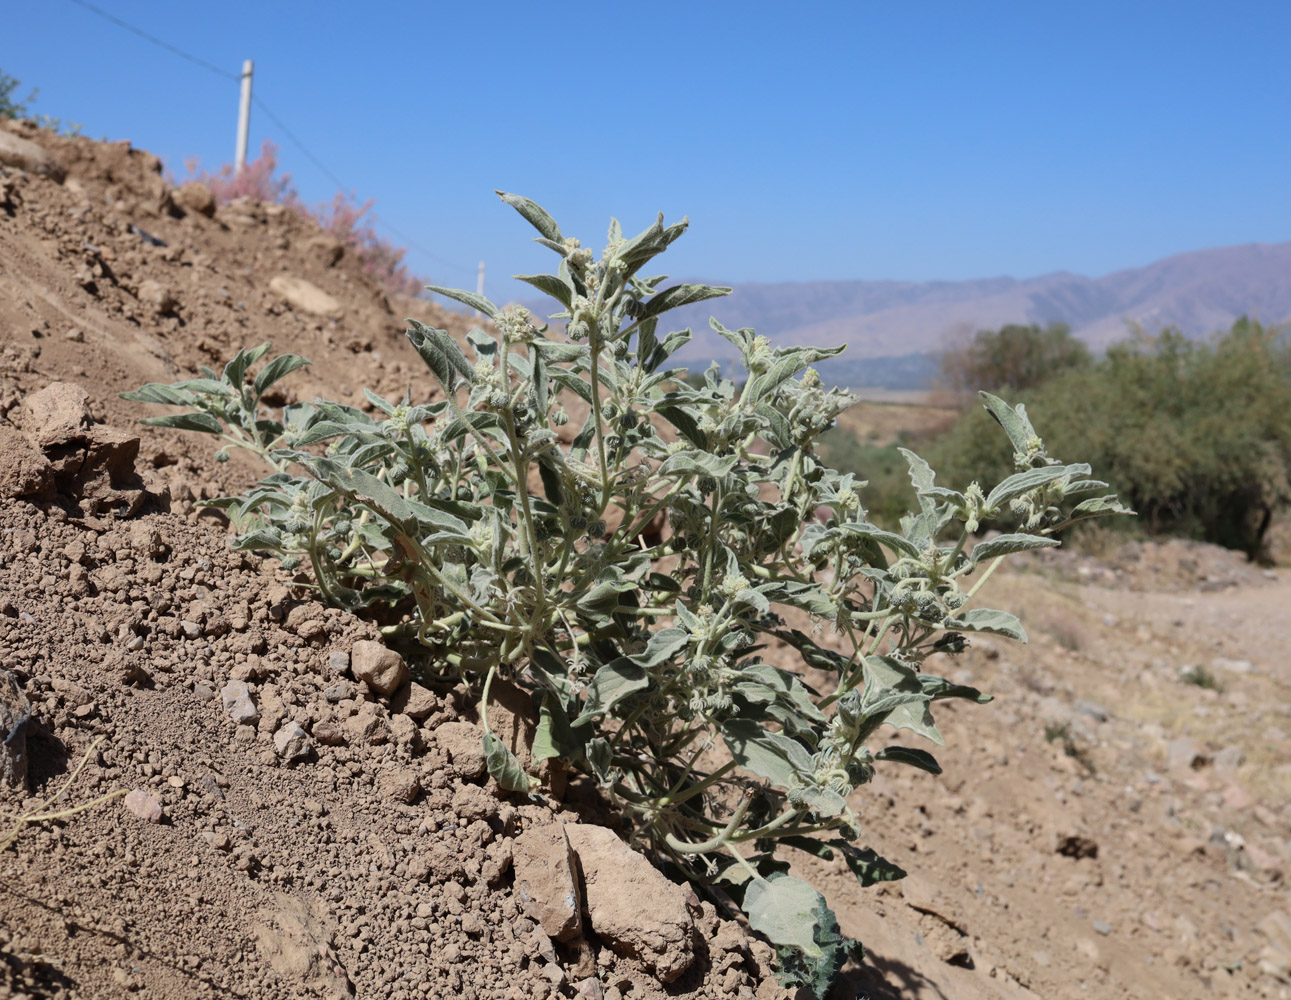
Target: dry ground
pixel 1104 829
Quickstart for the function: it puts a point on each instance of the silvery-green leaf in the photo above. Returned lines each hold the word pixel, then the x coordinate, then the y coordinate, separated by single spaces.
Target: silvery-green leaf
pixel 681 295
pixel 685 422
pixel 921 759
pixel 663 645
pixel 693 462
pixel 503 766
pixel 784 910
pixel 382 404
pixel 610 685
pixel 599 756
pixel 554 736
pixel 816 974
pixel 279 367
pixel 894 696
pixel 643 245
pixel 785 367
pixel 534 214
pixel 1097 506
pixel 892 540
pixel 473 299
pixel 441 354
pixel 1003 545
pixel 203 422
pixel 324 430
pixel 236 369
pixel 259 541
pixel 568 380
pixel 549 284
pixel 782 761
pixel 988 620
pixel 1024 482
pixel 1014 421
pixel 159 392
pixel 921 477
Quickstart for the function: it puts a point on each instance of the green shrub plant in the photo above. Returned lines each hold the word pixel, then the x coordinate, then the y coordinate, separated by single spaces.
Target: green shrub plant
pixel 512 528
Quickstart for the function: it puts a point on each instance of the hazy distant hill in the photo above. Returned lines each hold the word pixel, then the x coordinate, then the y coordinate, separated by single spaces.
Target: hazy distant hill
pixel 888 321
pixel 1197 292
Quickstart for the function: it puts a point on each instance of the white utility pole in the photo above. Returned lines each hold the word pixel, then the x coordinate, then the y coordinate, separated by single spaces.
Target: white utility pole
pixel 479 284
pixel 244 118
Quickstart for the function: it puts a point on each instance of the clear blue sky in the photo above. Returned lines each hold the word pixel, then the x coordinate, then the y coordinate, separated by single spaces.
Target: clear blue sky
pixel 932 140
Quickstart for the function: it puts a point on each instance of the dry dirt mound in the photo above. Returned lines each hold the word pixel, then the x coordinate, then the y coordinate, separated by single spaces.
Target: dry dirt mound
pixel 305 820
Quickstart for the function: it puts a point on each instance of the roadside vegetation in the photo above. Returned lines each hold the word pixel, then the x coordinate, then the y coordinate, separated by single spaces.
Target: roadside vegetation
pixel 1194 435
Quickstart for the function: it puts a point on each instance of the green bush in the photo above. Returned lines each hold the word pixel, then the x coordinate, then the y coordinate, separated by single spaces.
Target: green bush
pixel 11 107
pixel 1196 436
pixel 1014 358
pixel 507 552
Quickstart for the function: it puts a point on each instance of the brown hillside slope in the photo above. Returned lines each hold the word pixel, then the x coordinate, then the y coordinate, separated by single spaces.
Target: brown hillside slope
pixel 1114 859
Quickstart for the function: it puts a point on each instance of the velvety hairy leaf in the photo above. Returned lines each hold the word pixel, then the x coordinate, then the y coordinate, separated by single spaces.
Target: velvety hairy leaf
pixel 610 685
pixel 817 974
pixel 1014 421
pixel 1023 482
pixel 681 295
pixel 989 620
pixel 381 497
pixel 236 369
pixel 503 766
pixel 603 596
pixel 888 538
pixel 325 430
pixel 894 696
pixel 201 422
pixel 441 354
pixel 551 483
pixel 785 367
pixel 259 541
pixel 159 392
pixel 554 736
pixel 477 302
pixel 784 911
pixel 534 214
pixel 785 687
pixel 782 761
pixel 1003 545
pixel 921 759
pixel 549 284
pixel 663 645
pixel 698 463
pixel 279 367
pixel 1097 507
pixel 922 479
pixel 686 423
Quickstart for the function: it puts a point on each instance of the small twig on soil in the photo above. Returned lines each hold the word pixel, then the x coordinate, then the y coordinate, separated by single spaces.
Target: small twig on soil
pixel 39 813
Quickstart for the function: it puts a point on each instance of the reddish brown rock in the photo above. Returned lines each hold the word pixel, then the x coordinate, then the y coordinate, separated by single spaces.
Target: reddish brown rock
pixel 546 880
pixel 631 905
pixel 24 471
pixel 380 668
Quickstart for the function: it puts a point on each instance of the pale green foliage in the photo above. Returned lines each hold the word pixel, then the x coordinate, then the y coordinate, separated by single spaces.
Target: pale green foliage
pixel 643 653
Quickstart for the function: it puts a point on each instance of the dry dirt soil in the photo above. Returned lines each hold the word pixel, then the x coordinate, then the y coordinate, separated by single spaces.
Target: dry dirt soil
pixel 303 821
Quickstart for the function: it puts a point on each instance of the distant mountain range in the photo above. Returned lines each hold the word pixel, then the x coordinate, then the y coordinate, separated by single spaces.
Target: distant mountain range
pixel 895 326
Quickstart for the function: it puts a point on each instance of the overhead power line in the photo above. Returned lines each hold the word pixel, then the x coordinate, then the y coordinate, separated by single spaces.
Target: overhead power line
pixel 155 41
pixel 282 126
